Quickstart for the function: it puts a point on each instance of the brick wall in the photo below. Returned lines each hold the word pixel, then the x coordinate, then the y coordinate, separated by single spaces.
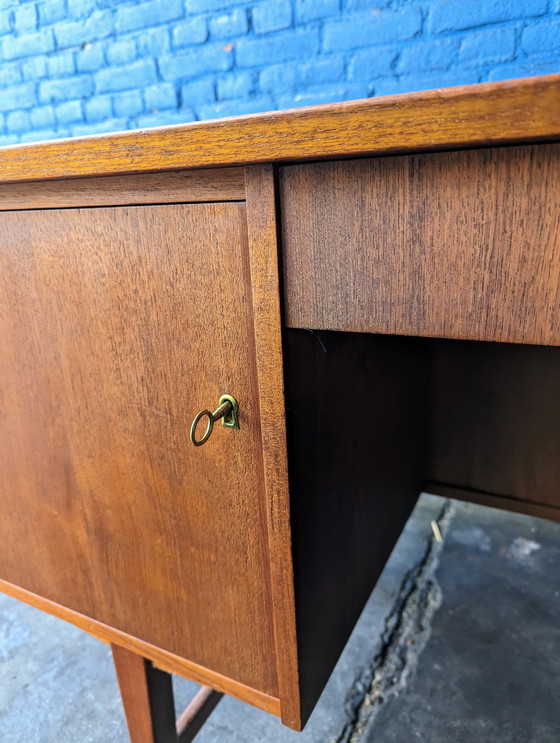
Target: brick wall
pixel 72 67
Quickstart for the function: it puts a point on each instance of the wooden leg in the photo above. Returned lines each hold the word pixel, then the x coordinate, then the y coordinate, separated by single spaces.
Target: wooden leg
pixel 147 696
pixel 196 714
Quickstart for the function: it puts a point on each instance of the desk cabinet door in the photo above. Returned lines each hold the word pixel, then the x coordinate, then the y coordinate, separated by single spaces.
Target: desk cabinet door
pixel 118 325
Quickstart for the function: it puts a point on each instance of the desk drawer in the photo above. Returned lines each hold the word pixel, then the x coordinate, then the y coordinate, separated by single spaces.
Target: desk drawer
pixel 455 244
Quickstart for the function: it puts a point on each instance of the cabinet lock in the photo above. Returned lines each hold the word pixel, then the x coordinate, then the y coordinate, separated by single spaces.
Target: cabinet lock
pixel 227 410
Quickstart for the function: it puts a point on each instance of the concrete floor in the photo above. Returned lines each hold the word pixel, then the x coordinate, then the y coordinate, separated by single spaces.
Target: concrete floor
pixel 459 642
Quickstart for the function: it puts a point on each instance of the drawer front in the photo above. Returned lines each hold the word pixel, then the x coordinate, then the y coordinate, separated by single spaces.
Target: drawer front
pixel 456 244
pixel 118 325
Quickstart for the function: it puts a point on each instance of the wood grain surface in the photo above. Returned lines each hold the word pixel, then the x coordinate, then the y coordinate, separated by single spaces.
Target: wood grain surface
pixel 161 658
pixel 496 420
pixel 490 113
pixel 265 279
pixel 357 412
pixel 219 184
pixel 119 325
pixel 455 244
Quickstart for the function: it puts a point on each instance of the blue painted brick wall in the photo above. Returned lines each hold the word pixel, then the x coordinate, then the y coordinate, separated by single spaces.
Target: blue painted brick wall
pixel 72 67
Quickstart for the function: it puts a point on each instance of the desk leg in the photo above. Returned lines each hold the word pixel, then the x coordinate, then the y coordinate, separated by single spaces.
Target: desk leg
pixel 147 696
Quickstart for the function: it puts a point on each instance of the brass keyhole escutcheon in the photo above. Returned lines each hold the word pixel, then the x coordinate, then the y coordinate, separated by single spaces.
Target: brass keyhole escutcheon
pixel 227 410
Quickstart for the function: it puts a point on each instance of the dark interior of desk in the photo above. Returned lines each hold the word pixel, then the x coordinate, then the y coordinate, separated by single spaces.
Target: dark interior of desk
pixel 373 420
pixel 495 422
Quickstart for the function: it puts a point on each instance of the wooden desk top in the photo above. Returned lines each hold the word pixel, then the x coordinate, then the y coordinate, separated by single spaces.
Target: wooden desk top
pixel 526 110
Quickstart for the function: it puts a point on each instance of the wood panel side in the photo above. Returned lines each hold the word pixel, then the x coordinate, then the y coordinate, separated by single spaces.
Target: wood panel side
pixel 161 658
pixel 357 413
pixel 264 260
pixel 451 245
pixel 224 184
pixel 475 115
pixel 496 420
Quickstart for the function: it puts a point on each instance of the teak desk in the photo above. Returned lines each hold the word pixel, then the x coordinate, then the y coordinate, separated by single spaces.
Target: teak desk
pixel 376 283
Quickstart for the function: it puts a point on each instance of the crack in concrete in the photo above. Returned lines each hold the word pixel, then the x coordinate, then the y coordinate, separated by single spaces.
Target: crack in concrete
pixel 405 635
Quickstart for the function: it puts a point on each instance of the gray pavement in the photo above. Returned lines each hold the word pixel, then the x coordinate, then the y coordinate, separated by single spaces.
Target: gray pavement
pixel 459 642
pixel 491 669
